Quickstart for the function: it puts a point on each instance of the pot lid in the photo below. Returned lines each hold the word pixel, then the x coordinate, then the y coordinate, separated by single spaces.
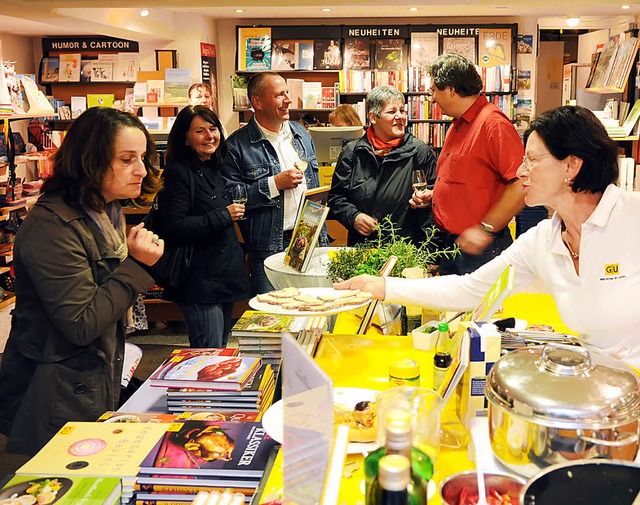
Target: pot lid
pixel 565 385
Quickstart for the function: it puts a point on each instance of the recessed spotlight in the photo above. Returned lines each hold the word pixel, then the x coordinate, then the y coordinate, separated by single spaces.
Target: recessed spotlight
pixel 502 7
pixel 326 9
pixel 239 10
pixel 144 12
pixel 575 21
pixel 413 9
pixel 626 6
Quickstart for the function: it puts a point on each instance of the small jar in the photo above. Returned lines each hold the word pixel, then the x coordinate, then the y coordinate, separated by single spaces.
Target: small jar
pixel 404 372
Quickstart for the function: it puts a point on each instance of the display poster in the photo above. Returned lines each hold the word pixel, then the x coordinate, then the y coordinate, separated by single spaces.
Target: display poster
pixel 209 73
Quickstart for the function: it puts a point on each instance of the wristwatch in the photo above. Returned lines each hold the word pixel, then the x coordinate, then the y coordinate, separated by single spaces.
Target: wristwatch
pixel 488 228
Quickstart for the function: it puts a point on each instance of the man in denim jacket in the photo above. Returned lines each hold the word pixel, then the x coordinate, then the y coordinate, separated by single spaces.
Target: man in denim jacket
pixel 276 160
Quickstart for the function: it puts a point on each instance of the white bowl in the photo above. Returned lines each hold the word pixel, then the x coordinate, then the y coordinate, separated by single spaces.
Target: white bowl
pixel 283 276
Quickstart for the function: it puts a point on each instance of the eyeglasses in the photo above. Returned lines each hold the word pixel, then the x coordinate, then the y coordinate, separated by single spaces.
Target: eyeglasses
pixel 528 162
pixel 429 93
pixel 394 113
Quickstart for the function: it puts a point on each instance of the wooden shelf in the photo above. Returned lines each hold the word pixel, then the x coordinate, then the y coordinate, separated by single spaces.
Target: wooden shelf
pixel 624 139
pixel 160 104
pixel 15 117
pixel 8 300
pixel 4 270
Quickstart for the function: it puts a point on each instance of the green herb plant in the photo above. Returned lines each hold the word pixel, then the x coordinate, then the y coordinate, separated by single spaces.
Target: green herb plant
pixel 368 257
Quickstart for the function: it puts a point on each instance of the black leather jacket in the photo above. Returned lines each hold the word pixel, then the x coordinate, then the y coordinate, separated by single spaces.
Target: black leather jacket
pixel 381 186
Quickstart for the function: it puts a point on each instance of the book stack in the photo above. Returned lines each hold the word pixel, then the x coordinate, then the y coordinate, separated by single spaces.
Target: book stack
pixel 254 398
pixel 309 338
pixel 96 449
pixel 195 456
pixel 259 334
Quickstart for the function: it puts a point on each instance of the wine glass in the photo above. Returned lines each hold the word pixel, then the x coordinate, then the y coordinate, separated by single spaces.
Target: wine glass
pixel 418 181
pixel 239 196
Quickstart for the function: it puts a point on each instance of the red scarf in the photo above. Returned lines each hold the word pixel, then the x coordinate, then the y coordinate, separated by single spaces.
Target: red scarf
pixel 381 148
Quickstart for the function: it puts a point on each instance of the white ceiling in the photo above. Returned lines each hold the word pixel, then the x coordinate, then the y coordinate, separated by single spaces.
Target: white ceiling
pixel 120 18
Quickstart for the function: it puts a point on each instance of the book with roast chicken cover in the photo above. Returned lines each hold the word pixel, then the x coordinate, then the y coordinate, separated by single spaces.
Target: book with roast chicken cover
pixel 214 370
pixel 210 448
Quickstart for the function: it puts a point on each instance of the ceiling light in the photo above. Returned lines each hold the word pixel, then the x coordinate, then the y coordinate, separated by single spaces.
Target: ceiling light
pixel 626 6
pixel 326 9
pixel 413 9
pixel 144 12
pixel 239 10
pixel 573 21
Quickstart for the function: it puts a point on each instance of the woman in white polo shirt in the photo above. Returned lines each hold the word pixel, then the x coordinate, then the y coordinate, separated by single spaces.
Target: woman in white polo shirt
pixel 586 254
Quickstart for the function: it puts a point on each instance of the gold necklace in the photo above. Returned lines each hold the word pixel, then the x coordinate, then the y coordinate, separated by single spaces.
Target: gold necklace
pixel 565 239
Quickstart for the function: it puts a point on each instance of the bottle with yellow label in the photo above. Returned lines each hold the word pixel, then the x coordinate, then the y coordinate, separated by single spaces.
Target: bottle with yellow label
pixel 404 372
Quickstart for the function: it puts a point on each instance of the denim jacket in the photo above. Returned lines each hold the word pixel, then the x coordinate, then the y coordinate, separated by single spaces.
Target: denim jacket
pixel 251 159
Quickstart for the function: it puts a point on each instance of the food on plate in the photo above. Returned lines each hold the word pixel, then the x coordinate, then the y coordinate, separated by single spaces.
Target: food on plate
pixel 292 299
pixel 217 370
pixel 362 420
pixel 494 497
pixel 40 492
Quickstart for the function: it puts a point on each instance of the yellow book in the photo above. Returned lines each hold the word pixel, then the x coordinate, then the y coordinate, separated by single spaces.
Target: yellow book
pixel 96 449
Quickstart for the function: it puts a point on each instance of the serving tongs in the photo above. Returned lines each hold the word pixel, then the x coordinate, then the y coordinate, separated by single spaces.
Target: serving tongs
pixel 517 339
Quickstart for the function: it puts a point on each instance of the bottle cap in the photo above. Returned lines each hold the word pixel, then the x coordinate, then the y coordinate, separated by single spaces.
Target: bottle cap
pixel 443 326
pixel 398 429
pixel 404 369
pixel 393 472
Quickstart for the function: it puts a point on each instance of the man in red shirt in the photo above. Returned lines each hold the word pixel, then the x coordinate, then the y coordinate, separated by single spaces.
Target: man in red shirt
pixel 476 191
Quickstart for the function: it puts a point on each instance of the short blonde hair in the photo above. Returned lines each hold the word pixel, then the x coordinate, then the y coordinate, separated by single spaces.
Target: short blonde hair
pixel 346 115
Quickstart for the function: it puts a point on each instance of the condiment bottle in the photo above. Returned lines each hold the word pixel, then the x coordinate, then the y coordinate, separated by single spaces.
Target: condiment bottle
pixel 393 478
pixel 442 357
pixel 404 372
pixel 399 441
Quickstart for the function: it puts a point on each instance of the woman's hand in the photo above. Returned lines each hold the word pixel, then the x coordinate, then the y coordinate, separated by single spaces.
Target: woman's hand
pixel 365 224
pixel 236 210
pixel 144 245
pixel 420 199
pixel 370 283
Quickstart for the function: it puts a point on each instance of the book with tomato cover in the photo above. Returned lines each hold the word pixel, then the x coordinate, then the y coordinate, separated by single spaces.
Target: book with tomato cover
pixel 202 370
pixel 305 235
pixel 67 490
pixel 255 387
pixel 208 448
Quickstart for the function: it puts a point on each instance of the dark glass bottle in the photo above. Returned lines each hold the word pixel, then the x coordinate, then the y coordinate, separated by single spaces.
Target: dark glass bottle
pixel 442 357
pixel 393 481
pixel 399 441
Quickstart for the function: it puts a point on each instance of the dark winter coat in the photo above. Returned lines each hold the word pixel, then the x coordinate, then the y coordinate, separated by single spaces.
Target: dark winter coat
pixel 381 186
pixel 217 273
pixel 63 358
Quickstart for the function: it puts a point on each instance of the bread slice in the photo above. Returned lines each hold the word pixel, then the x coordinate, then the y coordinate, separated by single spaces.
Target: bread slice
pixel 285 293
pixel 308 299
pixel 267 298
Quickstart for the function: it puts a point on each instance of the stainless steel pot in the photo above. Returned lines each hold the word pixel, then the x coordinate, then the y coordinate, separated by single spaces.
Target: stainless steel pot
pixel 583 482
pixel 558 403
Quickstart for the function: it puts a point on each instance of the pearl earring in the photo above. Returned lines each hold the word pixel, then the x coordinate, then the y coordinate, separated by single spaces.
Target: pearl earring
pixel 567 180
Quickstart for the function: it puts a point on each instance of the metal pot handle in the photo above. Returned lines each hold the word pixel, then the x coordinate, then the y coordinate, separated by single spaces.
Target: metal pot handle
pixel 563 369
pixel 624 439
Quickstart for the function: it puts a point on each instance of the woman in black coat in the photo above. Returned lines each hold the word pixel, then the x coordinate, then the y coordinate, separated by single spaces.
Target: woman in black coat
pixel 194 209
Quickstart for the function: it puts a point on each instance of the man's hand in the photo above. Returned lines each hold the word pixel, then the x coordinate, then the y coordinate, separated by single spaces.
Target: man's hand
pixel 144 245
pixel 370 283
pixel 421 199
pixel 288 179
pixel 365 224
pixel 474 240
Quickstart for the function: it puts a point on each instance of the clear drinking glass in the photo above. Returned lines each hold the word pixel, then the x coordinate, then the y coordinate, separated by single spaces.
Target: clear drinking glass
pixel 239 196
pixel 418 181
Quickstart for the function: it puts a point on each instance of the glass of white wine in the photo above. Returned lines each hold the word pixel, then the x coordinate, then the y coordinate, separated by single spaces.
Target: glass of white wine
pixel 418 181
pixel 239 196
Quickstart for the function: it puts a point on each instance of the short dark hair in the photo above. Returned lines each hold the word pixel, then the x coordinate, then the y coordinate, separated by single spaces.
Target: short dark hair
pixel 177 148
pixel 87 152
pixel 454 70
pixel 255 87
pixel 572 130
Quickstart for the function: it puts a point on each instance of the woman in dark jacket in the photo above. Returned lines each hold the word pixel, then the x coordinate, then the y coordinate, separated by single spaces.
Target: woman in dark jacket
pixel 76 277
pixel 194 209
pixel 372 178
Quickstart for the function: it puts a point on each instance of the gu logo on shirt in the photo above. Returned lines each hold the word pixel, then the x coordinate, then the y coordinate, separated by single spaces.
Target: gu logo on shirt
pixel 611 269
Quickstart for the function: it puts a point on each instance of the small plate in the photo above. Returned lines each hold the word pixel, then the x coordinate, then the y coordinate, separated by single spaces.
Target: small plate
pixel 277 309
pixel 273 424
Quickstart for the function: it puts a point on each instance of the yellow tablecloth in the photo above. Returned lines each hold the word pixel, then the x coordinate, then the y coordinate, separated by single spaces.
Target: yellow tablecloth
pixel 363 361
